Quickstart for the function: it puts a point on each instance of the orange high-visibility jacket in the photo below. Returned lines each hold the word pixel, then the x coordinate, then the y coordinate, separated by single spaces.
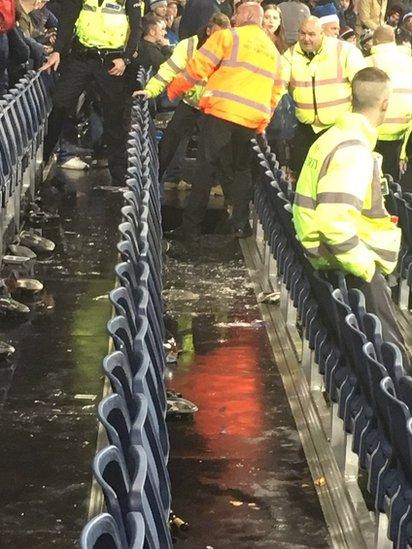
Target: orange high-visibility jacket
pixel 243 71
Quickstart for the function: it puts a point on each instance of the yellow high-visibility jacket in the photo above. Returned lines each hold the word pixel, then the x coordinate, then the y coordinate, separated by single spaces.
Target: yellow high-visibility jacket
pixel 168 70
pixel 243 69
pixel 321 86
pixel 398 66
pixel 404 154
pixel 105 26
pixel 338 211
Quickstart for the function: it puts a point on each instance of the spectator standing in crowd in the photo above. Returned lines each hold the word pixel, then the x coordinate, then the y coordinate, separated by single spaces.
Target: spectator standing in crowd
pixel 31 32
pixel 348 35
pixel 394 15
pixel 196 15
pixel 339 212
pixel 105 41
pixel 328 18
pixel 243 69
pixel 272 24
pixel 371 14
pixel 294 12
pixel 159 8
pixel 366 42
pixel 45 22
pixel 319 70
pixel 403 40
pixel 397 65
pixel 404 30
pixel 187 112
pixel 172 29
pixel 26 23
pixel 7 22
pixel 348 14
pixel 154 48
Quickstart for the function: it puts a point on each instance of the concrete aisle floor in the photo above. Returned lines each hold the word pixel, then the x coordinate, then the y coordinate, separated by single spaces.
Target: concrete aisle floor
pixel 49 394
pixel 239 475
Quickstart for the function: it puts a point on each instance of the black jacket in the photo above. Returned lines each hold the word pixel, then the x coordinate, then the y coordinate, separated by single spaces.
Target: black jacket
pixel 152 55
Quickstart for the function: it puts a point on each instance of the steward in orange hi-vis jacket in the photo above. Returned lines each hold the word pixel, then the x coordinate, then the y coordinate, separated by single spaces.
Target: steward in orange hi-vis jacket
pixel 243 71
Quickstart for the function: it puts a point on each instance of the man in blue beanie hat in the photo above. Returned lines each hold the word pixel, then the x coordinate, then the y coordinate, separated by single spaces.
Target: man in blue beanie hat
pixel 328 17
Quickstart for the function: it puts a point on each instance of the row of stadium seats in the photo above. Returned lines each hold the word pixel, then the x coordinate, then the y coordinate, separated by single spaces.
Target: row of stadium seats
pixel 23 122
pixel 132 470
pixel 400 204
pixel 344 354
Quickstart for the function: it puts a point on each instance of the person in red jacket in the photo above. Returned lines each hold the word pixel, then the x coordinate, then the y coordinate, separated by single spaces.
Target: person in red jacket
pixel 7 22
pixel 242 67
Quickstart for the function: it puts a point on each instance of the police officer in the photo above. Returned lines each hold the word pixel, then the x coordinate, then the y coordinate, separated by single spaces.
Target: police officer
pixel 106 35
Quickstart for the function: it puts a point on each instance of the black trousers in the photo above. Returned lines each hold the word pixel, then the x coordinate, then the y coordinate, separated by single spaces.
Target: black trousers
pixel 179 127
pixel 391 151
pixel 302 142
pixel 76 76
pixel 219 140
pixel 379 302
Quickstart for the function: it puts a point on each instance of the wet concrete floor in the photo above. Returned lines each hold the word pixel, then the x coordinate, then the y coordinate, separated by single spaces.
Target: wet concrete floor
pixel 49 393
pixel 239 474
pixel 238 470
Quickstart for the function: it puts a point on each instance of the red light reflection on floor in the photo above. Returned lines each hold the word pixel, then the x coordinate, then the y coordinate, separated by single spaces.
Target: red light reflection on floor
pixel 225 384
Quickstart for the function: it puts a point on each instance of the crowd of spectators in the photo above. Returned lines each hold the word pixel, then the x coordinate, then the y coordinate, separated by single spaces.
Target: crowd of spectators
pixel 353 20
pixel 30 37
pixel 27 38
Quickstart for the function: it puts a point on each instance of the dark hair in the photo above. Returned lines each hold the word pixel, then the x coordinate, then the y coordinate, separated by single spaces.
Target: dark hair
pixel 396 8
pixel 366 91
pixel 402 36
pixel 149 21
pixel 220 19
pixel 217 18
pixel 278 37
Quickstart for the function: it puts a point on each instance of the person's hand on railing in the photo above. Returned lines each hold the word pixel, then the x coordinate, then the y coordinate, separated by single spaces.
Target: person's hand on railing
pixel 403 166
pixel 52 63
pixel 141 93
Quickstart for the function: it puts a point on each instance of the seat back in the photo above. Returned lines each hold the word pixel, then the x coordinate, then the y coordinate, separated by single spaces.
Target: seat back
pixel 146 500
pixel 404 391
pixel 101 532
pixel 123 305
pixel 117 369
pixel 357 304
pixel 399 416
pixel 114 416
pixel 356 339
pixel 109 469
pixel 372 328
pixel 391 358
pixel 322 290
pixel 376 372
pixel 144 433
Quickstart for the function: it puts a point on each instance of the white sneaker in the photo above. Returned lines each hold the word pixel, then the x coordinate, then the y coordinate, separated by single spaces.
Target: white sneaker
pixel 184 185
pixel 216 191
pixel 74 163
pixel 169 185
pixel 100 163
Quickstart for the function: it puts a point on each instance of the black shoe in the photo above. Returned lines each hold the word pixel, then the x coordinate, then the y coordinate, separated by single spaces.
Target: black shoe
pixel 243 233
pixel 182 234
